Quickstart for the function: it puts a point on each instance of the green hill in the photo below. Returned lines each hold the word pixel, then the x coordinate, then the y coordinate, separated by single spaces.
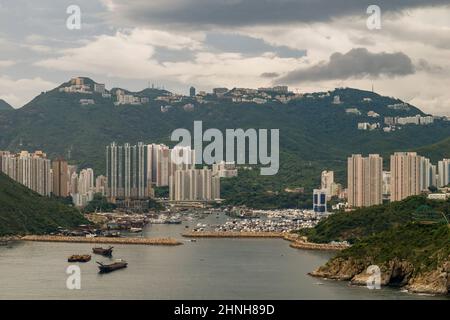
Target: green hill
pixel 23 211
pixel 315 134
pixel 408 240
pixel 5 105
pixel 436 151
pixel 355 225
pixel 415 256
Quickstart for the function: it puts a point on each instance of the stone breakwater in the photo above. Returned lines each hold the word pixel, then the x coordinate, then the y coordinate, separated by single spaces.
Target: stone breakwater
pixel 140 241
pixel 297 242
pixel 318 246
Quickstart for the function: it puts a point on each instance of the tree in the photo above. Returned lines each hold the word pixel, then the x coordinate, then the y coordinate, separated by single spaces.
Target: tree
pixel 99 203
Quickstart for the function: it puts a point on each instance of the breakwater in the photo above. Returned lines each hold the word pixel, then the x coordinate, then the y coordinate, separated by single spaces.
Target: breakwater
pixel 140 241
pixel 296 241
pixel 317 246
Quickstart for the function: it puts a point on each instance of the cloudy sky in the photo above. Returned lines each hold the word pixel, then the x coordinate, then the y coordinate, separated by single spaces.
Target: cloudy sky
pixel 309 45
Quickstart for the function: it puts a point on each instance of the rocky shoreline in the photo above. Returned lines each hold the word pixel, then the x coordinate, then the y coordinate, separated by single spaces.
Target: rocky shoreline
pixel 395 273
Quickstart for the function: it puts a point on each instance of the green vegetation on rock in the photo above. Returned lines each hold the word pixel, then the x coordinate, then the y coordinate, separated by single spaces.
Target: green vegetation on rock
pixel 355 225
pixel 23 211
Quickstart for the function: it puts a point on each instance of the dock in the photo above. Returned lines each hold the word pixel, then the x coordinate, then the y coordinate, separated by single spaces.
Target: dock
pixel 232 234
pixel 136 241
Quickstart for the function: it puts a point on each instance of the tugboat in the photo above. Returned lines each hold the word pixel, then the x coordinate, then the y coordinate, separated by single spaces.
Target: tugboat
pixel 103 252
pixel 79 258
pixel 118 264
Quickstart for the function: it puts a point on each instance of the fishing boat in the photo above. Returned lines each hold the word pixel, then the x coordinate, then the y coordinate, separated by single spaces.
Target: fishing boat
pixel 102 251
pixel 79 258
pixel 135 230
pixel 118 264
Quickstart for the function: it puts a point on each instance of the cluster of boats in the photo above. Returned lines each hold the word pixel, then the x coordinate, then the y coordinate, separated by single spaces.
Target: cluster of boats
pixel 262 225
pixel 166 219
pixel 103 267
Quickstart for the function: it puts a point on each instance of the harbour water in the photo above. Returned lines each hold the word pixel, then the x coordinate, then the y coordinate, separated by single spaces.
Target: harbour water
pixel 205 269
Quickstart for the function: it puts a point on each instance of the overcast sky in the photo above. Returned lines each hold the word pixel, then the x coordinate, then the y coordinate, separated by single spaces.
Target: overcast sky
pixel 309 45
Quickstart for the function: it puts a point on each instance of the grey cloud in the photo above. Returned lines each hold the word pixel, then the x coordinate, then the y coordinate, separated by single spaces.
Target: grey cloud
pixel 423 65
pixel 251 12
pixel 168 55
pixel 357 63
pixel 270 75
pixel 232 42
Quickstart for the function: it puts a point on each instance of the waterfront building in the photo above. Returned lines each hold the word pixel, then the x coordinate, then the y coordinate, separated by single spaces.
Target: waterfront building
pixel 364 180
pixel 320 200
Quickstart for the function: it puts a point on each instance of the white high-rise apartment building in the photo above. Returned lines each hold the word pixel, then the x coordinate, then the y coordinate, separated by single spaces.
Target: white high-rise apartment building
pixel 410 175
pixel 101 184
pixel 132 170
pixel 365 180
pixel 127 169
pixel 33 170
pixel 443 172
pixel 194 185
pixel 85 187
pixel 327 182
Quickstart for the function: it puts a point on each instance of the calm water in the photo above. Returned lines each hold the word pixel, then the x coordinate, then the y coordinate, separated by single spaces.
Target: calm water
pixel 206 269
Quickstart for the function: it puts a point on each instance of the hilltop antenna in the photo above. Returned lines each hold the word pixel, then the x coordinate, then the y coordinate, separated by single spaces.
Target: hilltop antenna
pixel 372 88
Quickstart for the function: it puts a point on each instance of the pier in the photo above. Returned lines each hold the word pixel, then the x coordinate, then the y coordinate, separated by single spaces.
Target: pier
pixel 137 241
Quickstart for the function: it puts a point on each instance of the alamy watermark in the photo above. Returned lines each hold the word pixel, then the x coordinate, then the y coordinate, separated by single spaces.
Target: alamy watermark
pixel 374 279
pixel 374 20
pixel 73 281
pixel 235 142
pixel 73 21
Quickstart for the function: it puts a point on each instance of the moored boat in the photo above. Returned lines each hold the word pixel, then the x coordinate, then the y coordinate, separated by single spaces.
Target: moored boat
pixel 104 252
pixel 79 258
pixel 118 264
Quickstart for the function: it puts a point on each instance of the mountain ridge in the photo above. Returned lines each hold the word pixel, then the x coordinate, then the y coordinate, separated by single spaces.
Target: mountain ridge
pixel 5 105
